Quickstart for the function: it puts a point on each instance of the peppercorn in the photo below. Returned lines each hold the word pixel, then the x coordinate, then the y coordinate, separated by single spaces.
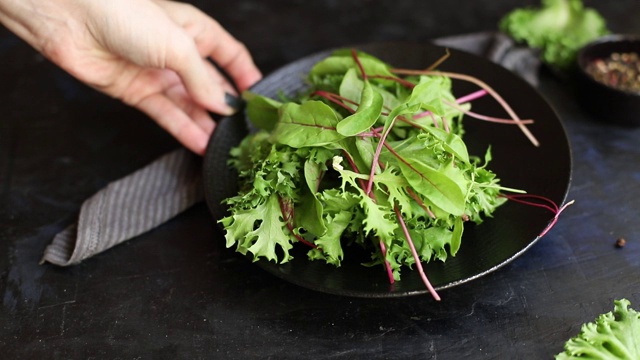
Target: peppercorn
pixel 621 242
pixel 618 70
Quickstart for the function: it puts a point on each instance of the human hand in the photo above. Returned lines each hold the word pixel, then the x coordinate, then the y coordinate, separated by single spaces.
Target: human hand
pixel 151 54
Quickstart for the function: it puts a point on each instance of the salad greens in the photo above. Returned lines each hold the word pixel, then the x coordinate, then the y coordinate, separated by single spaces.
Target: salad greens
pixel 613 336
pixel 559 28
pixel 364 158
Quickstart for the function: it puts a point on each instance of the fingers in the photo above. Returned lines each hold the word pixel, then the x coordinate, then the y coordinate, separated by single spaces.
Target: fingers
pixel 207 90
pixel 211 40
pixel 232 56
pixel 162 96
pixel 219 80
pixel 191 131
pixel 197 114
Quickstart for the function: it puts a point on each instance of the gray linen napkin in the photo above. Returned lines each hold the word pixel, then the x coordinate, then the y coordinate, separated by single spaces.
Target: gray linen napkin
pixel 129 207
pixel 163 189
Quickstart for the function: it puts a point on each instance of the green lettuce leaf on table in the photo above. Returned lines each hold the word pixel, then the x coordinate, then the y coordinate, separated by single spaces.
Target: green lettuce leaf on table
pixel 559 28
pixel 613 336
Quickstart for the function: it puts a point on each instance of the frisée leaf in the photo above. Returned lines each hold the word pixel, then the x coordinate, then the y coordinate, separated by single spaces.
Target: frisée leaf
pixel 559 28
pixel 612 336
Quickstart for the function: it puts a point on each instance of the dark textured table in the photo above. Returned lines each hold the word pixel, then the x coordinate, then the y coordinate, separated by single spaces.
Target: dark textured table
pixel 176 292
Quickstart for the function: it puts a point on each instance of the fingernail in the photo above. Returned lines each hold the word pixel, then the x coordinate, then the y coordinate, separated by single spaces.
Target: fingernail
pixel 233 102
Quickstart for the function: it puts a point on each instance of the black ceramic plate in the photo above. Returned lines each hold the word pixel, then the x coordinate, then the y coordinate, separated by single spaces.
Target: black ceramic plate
pixel 543 170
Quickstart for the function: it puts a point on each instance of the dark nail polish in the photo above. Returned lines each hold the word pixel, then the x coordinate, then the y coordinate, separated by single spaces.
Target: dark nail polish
pixel 233 101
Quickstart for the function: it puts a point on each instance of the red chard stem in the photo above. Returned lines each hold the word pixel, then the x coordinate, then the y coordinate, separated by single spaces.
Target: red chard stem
pixel 287 215
pixel 425 280
pixel 357 60
pixel 387 265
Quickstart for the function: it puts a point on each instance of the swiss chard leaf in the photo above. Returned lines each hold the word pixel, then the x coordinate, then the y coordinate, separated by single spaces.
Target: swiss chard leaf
pixel 367 114
pixel 312 123
pixel 340 63
pixel 309 210
pixel 261 110
pixel 428 93
pixel 351 88
pixel 437 187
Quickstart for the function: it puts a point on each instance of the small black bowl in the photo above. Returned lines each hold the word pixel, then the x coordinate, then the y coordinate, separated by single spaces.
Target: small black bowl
pixel 605 102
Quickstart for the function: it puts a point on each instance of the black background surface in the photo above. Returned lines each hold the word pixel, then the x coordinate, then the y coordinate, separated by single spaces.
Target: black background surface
pixel 176 292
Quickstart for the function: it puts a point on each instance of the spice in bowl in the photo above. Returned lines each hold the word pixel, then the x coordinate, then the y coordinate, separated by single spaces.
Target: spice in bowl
pixel 620 70
pixel 607 79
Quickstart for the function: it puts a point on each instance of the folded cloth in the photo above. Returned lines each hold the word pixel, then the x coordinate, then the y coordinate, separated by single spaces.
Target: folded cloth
pixel 163 189
pixel 129 207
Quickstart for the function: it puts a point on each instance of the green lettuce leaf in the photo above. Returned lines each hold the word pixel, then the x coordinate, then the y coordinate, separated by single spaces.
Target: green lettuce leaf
pixel 559 28
pixel 613 336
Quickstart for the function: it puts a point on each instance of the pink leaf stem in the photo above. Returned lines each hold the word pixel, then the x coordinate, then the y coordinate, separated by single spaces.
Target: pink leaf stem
pixel 355 169
pixel 434 120
pixel 401 81
pixel 383 248
pixel 482 85
pixel 440 60
pixel 445 124
pixel 488 118
pixel 354 54
pixel 522 198
pixel 387 265
pixel 470 97
pixel 417 199
pixel 461 100
pixel 425 280
pixel 550 206
pixel 376 156
pixel 555 218
pixel 336 99
pixel 287 214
